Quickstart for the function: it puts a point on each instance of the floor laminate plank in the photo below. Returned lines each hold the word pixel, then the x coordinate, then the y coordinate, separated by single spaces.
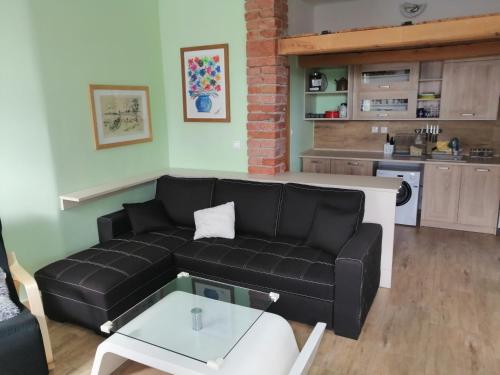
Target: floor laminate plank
pixel 442 316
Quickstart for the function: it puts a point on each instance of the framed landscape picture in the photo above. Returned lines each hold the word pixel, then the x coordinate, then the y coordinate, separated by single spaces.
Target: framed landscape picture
pixel 120 114
pixel 205 83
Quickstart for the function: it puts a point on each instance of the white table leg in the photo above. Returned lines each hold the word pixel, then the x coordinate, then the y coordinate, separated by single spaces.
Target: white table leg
pixel 106 361
pixel 269 348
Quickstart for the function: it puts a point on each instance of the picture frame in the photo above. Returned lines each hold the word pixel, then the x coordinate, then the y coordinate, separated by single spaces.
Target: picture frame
pixel 121 115
pixel 205 83
pixel 217 291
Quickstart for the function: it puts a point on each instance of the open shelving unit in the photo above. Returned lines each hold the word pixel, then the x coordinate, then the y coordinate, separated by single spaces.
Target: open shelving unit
pixel 431 78
pixel 316 103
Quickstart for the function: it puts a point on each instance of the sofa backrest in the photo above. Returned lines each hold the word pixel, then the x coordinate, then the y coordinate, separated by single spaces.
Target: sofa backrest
pixel 300 202
pixel 181 197
pixel 256 204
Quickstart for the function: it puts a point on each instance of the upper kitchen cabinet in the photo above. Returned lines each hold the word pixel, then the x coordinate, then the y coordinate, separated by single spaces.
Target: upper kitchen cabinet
pixel 390 105
pixel 386 91
pixel 471 90
pixel 387 77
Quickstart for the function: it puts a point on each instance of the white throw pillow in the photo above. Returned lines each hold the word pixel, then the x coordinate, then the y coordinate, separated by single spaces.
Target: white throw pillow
pixel 216 221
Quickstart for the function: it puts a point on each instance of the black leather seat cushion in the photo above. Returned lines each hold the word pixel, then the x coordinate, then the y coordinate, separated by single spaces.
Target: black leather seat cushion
pixel 279 265
pixel 109 272
pixel 300 202
pixel 256 205
pixel 183 196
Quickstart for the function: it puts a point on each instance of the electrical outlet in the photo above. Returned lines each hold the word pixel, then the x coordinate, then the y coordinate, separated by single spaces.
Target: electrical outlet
pixel 236 145
pixel 383 129
pixel 374 129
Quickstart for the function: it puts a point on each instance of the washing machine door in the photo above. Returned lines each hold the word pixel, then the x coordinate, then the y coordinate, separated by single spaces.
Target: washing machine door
pixel 404 194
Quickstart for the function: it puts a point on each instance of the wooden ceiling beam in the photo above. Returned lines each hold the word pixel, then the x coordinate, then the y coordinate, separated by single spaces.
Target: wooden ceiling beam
pixel 459 51
pixel 438 33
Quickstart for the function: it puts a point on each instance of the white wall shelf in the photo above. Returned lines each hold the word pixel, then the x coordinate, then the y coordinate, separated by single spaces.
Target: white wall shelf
pixel 76 198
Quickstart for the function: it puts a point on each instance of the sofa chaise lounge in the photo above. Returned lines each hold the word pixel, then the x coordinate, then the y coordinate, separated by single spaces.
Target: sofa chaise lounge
pixel 269 253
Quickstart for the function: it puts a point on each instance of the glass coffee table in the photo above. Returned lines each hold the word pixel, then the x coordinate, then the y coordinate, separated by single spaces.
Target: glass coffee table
pixel 194 325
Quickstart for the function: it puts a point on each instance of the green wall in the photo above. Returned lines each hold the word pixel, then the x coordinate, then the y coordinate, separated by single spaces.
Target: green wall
pixel 195 23
pixel 55 49
pixel 302 132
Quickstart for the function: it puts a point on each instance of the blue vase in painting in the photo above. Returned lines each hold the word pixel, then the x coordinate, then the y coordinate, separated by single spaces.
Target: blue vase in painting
pixel 203 103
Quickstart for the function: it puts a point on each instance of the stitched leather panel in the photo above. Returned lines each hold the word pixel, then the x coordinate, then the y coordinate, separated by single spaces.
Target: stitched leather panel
pixel 282 264
pixel 104 274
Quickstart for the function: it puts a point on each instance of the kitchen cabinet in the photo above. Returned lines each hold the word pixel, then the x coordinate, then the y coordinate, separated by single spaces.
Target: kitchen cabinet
pixel 311 165
pixel 441 193
pixel 385 105
pixel 387 77
pixel 479 196
pixel 463 197
pixel 471 90
pixel 352 167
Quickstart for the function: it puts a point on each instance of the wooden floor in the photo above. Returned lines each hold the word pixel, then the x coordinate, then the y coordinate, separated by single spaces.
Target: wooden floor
pixel 442 316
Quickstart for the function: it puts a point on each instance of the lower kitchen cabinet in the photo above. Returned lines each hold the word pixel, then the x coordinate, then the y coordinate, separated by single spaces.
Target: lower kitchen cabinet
pixel 312 165
pixel 479 196
pixel 441 193
pixel 352 167
pixel 463 197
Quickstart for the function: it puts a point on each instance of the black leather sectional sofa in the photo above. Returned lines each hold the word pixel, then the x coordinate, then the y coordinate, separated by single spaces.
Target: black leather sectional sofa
pixel 269 254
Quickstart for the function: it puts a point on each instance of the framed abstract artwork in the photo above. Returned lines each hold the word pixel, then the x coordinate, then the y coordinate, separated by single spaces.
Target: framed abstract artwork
pixel 205 83
pixel 121 115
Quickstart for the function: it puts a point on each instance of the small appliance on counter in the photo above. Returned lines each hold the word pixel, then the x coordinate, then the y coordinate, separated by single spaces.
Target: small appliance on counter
pixel 317 82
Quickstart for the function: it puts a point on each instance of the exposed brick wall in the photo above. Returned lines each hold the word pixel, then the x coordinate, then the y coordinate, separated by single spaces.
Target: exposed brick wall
pixel 267 76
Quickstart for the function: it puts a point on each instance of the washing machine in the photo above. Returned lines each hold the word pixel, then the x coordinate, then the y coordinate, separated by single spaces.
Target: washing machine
pixel 407 199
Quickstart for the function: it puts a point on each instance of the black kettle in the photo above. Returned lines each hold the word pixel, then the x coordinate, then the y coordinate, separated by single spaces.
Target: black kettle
pixel 317 82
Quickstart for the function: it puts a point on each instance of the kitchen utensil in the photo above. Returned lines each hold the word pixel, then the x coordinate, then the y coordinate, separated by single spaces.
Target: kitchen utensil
pixel 402 143
pixel 341 84
pixel 343 110
pixel 454 145
pixel 317 82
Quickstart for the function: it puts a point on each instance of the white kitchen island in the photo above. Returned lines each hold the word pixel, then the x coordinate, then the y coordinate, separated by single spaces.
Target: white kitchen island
pixel 380 193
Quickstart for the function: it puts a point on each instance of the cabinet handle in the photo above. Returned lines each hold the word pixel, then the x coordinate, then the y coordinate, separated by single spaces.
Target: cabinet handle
pixel 384 86
pixel 467 114
pixel 382 114
pixel 482 170
pixel 354 163
pixel 444 168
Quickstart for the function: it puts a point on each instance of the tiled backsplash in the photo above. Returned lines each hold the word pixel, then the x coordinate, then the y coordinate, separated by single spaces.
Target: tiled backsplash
pixel 356 135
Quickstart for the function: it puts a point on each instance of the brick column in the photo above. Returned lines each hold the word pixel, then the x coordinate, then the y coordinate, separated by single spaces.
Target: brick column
pixel 267 78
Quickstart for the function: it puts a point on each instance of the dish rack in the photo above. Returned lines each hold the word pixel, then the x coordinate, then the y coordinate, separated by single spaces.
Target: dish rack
pixel 481 152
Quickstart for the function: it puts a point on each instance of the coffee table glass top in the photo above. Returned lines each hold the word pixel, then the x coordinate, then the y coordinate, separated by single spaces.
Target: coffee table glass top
pixel 195 317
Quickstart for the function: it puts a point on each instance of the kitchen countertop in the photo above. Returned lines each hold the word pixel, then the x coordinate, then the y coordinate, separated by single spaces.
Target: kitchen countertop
pixel 380 156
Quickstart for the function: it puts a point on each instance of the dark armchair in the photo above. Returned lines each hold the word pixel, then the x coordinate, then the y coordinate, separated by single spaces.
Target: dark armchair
pixel 21 344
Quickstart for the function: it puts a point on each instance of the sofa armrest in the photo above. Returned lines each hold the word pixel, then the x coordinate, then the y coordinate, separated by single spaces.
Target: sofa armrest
pixel 357 278
pixel 111 225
